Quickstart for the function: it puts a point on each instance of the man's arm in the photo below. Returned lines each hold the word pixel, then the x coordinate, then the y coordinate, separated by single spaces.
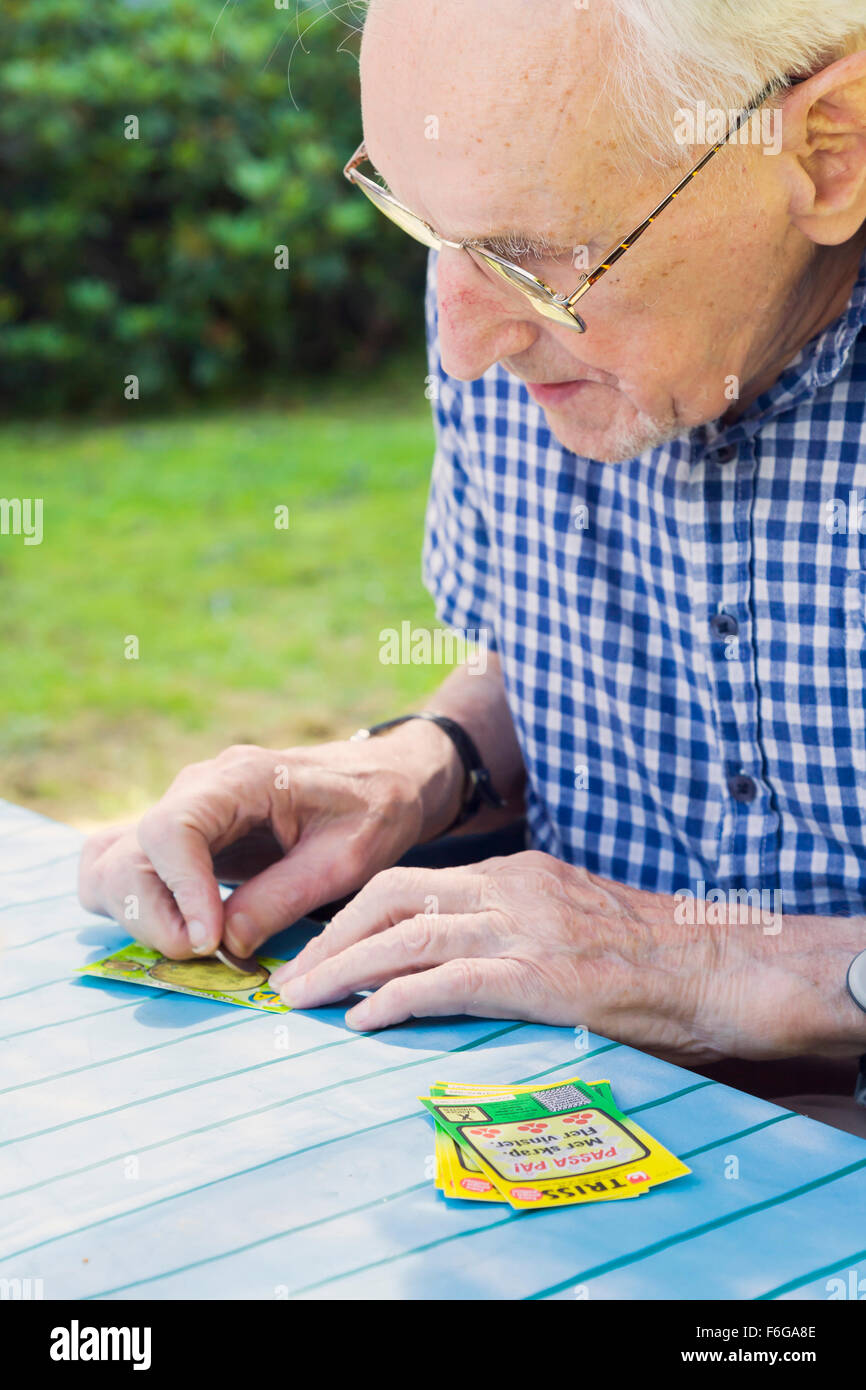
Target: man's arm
pixel 478 703
pixel 802 1001
pixel 531 937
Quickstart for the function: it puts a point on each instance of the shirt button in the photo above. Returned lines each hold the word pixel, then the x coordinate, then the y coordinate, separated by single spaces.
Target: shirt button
pixel 724 625
pixel 743 789
pixel 723 456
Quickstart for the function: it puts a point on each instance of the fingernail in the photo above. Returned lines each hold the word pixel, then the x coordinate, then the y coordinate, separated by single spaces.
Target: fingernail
pixel 358 1017
pixel 240 934
pixel 294 991
pixel 293 967
pixel 199 937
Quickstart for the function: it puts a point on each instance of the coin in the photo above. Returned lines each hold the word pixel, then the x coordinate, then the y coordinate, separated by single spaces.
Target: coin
pixel 246 967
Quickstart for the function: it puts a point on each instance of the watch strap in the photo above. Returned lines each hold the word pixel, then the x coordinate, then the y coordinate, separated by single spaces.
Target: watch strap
pixel 478 788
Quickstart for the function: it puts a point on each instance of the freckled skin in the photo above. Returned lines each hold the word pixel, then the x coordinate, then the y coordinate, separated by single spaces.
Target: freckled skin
pixel 728 283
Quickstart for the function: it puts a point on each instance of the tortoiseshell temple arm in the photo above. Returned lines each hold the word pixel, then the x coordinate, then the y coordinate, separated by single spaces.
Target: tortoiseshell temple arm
pixel 594 276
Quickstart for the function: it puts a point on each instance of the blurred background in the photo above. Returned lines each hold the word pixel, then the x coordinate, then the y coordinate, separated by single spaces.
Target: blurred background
pixel 167 383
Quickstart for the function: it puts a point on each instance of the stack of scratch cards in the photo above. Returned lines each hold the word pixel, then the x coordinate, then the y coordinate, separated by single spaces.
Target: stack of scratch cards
pixel 205 976
pixel 542 1146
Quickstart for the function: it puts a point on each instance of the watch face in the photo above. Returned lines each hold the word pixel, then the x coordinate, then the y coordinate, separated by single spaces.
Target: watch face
pixel 857 980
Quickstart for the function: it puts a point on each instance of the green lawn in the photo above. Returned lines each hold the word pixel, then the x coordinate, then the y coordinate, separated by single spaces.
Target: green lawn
pixel 165 531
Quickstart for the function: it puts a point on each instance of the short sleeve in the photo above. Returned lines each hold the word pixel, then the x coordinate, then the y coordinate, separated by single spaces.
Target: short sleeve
pixel 458 565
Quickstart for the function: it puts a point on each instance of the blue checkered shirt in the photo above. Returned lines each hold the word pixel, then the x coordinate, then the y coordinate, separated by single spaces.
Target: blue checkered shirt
pixel 681 636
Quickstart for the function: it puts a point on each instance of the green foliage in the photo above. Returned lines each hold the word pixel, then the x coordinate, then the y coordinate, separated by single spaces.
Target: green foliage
pixel 156 256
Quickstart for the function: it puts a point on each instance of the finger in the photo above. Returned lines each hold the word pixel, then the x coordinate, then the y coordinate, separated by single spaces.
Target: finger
pixel 320 869
pixel 137 898
pixel 416 944
pixel 392 896
pixel 485 988
pixel 90 887
pixel 180 854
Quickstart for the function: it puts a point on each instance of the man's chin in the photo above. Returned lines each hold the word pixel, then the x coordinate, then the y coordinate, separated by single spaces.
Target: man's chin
pixel 623 436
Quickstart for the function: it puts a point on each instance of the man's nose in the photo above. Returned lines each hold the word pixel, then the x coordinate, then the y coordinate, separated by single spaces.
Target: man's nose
pixel 480 322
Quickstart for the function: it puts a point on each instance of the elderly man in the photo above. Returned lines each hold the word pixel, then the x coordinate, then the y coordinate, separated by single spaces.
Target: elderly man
pixel 651 415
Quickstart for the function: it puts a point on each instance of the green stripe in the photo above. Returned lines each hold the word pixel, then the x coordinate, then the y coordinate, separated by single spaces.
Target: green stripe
pixel 560 1066
pixel 814 1274
pixel 703 1229
pixel 463 1235
pixel 45 864
pixel 49 936
pixel 223 1027
pixel 34 902
pixel 33 989
pixel 213 1182
pixel 291 1230
pixel 61 1022
pixel 686 1091
pixel 263 1240
pixel 249 1114
pixel 150 1100
pixel 279 1235
pixel 753 1129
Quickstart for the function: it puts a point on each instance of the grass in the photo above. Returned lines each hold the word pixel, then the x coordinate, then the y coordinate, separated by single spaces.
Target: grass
pixel 165 531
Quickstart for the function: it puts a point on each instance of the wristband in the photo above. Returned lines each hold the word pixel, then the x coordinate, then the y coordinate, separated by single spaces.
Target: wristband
pixel 477 786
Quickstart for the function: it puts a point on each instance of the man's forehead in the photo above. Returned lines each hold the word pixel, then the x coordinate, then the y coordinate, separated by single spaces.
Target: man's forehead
pixel 483 102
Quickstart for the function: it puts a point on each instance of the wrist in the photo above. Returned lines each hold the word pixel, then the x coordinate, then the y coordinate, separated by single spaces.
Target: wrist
pixel 427 758
pixel 808 993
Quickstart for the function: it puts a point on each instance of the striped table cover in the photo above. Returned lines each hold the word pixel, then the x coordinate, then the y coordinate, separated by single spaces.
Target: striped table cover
pixel 159 1146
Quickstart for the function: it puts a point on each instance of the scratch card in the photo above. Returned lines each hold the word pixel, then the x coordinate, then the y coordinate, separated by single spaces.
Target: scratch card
pixel 203 975
pixel 457 1173
pixel 556 1145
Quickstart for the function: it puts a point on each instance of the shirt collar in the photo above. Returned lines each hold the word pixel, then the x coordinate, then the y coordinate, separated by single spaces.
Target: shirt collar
pixel 817 364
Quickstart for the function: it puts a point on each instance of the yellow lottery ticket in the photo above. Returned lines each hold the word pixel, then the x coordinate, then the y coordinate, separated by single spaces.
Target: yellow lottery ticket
pixel 553 1145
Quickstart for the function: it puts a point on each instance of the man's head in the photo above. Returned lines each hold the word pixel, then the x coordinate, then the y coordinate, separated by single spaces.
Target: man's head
pixel 550 128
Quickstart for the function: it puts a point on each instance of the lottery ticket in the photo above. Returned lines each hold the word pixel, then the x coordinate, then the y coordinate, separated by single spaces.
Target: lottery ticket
pixel 456 1172
pixel 205 976
pixel 555 1145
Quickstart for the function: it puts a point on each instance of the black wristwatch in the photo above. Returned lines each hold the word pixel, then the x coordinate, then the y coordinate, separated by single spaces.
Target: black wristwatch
pixel 477 786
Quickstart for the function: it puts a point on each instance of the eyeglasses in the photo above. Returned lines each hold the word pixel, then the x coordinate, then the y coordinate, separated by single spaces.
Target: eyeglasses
pixel 560 308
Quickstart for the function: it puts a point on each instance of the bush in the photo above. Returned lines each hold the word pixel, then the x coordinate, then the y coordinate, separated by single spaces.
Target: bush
pixel 155 256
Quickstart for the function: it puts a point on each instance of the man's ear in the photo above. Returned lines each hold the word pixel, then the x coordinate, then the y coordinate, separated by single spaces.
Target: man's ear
pixel 824 139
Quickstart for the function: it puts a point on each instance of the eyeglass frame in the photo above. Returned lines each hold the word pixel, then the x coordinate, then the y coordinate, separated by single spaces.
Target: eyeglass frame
pixel 565 303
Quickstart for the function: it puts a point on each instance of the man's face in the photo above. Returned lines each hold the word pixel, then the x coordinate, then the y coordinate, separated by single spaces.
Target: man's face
pixel 526 139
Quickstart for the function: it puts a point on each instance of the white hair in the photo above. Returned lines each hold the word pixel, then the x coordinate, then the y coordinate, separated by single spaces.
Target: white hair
pixel 674 54
pixel 671 55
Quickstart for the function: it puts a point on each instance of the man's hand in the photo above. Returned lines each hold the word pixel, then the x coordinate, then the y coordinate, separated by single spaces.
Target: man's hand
pixel 530 937
pixel 333 815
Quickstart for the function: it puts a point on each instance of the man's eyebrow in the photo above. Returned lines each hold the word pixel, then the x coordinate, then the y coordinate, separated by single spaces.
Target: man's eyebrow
pixel 518 246
pixel 511 246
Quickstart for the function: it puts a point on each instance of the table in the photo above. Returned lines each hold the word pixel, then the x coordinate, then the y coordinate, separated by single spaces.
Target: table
pixel 157 1146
